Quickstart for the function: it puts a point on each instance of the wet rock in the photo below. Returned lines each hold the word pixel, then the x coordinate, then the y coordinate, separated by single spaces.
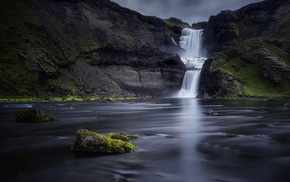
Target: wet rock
pixel 33 115
pixel 231 135
pixel 286 106
pixel 211 113
pixel 262 125
pixel 92 142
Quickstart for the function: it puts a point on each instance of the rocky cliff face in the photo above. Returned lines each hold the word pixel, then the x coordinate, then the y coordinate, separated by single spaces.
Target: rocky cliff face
pixel 250 50
pixel 84 48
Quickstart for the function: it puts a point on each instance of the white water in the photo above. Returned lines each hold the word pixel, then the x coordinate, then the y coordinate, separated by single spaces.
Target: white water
pixel 190 41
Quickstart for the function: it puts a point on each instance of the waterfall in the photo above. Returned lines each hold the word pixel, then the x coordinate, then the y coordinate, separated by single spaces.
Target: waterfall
pixel 190 41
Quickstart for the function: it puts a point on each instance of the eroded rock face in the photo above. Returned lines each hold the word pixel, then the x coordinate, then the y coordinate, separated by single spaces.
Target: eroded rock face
pixel 250 50
pixel 262 19
pixel 79 47
pixel 247 68
pixel 33 115
pixel 91 142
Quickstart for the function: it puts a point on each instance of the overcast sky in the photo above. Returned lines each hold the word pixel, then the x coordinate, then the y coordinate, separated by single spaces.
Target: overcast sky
pixel 190 11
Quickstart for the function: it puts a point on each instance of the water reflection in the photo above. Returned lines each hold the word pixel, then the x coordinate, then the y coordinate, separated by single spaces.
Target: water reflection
pixel 247 141
pixel 190 118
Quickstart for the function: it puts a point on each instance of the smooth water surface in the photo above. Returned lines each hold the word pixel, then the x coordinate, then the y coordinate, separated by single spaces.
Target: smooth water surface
pixel 246 141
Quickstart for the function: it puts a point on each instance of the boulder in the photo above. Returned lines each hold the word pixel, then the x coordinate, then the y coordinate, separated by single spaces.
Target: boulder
pixel 211 113
pixel 33 115
pixel 92 142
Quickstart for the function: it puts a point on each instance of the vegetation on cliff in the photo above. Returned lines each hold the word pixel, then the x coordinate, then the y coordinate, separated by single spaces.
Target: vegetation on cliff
pixel 57 48
pixel 250 51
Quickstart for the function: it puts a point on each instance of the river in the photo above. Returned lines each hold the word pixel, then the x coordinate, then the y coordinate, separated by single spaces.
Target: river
pixel 247 141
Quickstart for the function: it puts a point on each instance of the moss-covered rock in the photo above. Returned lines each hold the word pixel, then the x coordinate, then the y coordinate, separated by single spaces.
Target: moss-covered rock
pixel 33 115
pixel 122 136
pixel 92 142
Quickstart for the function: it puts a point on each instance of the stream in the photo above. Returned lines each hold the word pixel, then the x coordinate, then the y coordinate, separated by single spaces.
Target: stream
pixel 246 141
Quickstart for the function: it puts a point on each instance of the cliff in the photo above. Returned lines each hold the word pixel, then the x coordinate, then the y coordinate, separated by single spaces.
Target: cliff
pixel 85 48
pixel 250 52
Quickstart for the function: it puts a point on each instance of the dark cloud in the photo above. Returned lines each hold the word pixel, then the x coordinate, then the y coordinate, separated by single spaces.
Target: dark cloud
pixel 188 10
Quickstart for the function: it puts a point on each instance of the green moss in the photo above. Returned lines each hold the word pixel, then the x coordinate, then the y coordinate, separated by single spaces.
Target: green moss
pixel 19 13
pixel 253 84
pixel 170 22
pixel 233 28
pixel 88 141
pixel 22 81
pixel 34 116
pixel 64 82
pixel 90 53
pixel 122 136
pixel 69 98
pixel 230 27
pixel 119 146
pixel 173 25
pixel 284 29
pixel 280 52
pixel 132 43
pixel 246 70
pixel 27 55
pixel 231 135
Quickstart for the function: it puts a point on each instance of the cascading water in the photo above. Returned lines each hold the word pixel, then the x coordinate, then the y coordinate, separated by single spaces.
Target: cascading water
pixel 190 41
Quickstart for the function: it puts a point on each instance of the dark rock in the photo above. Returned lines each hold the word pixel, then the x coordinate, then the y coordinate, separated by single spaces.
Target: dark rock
pixel 250 52
pixel 254 20
pixel 211 113
pixel 262 125
pixel 231 135
pixel 199 25
pixel 79 47
pixel 33 115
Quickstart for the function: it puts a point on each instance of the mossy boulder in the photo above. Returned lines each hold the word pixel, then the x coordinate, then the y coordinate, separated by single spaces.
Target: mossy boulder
pixel 33 115
pixel 92 142
pixel 122 136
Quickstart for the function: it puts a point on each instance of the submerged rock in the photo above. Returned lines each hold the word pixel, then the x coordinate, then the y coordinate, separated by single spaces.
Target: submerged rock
pixel 92 142
pixel 211 113
pixel 231 135
pixel 33 115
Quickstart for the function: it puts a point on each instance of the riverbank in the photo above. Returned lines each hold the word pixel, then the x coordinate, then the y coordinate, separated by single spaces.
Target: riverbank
pixel 68 99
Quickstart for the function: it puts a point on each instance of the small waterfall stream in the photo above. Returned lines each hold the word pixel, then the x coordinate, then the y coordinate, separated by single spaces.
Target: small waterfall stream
pixel 190 41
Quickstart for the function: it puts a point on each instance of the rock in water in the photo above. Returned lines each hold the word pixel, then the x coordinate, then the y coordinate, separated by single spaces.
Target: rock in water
pixel 211 113
pixel 33 115
pixel 92 142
